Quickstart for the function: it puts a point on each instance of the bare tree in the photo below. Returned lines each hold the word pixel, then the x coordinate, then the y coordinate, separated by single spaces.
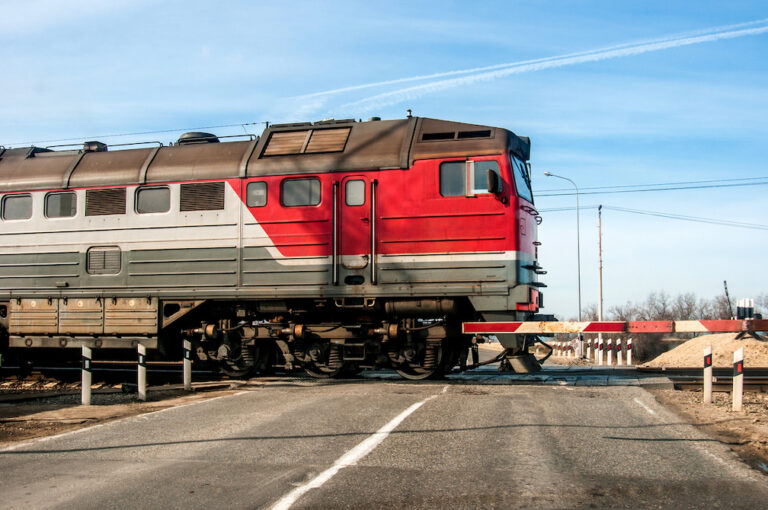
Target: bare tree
pixel 685 307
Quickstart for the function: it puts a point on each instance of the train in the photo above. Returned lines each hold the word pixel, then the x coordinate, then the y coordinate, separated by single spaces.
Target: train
pixel 330 247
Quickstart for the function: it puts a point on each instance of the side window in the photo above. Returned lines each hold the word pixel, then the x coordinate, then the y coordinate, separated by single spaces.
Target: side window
pixel 17 207
pixel 300 192
pixel 480 179
pixel 354 192
pixel 453 181
pixel 153 200
pixel 60 205
pixel 256 194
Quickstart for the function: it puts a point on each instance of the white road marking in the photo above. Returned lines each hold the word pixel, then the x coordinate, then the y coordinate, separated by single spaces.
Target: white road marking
pixel 350 458
pixel 650 411
pixel 136 417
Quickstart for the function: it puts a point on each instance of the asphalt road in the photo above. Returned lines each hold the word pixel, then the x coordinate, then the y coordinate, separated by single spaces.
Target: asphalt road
pixel 382 444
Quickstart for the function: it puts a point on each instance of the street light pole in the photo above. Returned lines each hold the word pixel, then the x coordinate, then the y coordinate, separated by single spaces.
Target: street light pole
pixel 578 250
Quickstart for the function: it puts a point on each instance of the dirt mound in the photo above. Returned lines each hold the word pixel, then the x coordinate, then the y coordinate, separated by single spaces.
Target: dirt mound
pixel 691 353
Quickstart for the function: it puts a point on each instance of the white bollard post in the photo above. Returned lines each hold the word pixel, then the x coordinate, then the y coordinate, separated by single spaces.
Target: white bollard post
pixel 629 352
pixel 570 350
pixel 600 353
pixel 142 372
pixel 708 374
pixel 619 361
pixel 609 348
pixel 738 378
pixel 187 365
pixel 85 379
pixel 589 348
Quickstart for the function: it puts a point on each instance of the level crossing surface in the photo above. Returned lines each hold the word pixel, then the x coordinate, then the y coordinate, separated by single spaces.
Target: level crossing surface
pixel 460 445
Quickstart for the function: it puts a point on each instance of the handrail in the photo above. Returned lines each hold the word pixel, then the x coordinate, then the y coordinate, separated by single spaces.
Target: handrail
pixel 335 236
pixel 374 183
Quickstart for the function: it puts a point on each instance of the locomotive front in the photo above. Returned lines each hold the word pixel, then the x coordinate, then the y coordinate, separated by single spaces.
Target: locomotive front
pixel 332 246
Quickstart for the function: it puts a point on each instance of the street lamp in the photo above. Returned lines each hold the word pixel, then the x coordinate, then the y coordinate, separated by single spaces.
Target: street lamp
pixel 578 250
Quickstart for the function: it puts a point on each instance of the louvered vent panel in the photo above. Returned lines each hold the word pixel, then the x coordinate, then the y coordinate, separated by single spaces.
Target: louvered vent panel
pixel 102 202
pixel 328 140
pixel 204 196
pixel 286 143
pixel 103 260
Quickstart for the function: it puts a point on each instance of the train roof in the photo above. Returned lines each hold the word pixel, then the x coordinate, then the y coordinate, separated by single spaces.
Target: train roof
pixel 282 149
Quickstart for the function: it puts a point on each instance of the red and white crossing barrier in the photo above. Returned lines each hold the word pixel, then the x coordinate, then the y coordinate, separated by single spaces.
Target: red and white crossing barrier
pixel 538 327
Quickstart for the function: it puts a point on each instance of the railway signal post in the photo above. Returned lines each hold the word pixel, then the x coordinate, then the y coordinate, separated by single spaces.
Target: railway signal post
pixel 142 375
pixel 738 378
pixel 85 382
pixel 708 374
pixel 187 365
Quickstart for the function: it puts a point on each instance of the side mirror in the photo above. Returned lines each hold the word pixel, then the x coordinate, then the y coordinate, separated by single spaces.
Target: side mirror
pixel 494 184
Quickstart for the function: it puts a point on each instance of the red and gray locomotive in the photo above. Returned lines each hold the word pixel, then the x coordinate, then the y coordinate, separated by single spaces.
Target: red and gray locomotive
pixel 331 246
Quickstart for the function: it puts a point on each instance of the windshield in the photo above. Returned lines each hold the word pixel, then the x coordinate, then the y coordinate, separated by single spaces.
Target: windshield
pixel 522 179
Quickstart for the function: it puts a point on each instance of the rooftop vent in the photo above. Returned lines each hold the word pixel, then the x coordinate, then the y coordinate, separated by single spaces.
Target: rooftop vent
pixel 94 146
pixel 194 137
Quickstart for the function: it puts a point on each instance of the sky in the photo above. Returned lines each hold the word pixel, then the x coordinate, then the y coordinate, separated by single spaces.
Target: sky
pixel 612 95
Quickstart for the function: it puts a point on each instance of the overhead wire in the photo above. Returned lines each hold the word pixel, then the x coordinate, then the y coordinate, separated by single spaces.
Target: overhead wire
pixel 682 217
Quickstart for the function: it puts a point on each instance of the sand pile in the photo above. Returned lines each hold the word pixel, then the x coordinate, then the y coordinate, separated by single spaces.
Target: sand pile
pixel 691 353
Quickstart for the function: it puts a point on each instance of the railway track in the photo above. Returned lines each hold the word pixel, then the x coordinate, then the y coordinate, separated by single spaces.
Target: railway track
pixel 755 379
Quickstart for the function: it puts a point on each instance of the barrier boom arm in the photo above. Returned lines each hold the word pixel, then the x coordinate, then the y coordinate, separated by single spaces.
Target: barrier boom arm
pixel 539 327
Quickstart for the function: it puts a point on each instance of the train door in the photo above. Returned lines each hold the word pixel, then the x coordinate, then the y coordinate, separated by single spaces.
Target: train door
pixel 355 227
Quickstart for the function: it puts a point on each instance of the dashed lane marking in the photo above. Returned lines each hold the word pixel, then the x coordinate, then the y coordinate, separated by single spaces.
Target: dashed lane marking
pixel 350 458
pixel 650 411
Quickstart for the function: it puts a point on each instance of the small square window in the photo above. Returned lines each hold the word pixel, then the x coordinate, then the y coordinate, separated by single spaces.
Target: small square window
pixel 354 192
pixel 301 192
pixel 17 207
pixel 256 194
pixel 60 205
pixel 453 180
pixel 153 200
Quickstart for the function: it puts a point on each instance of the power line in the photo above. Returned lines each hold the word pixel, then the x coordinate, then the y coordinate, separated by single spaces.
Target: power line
pixel 670 188
pixel 711 181
pixel 682 217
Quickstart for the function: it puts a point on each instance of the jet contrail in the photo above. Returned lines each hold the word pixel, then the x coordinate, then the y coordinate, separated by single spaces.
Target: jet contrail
pixel 399 95
pixel 676 37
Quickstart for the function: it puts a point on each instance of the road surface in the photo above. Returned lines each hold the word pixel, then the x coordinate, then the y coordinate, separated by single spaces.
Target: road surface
pixel 388 444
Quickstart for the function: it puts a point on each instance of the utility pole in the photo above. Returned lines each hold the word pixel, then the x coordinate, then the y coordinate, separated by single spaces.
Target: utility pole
pixel 600 266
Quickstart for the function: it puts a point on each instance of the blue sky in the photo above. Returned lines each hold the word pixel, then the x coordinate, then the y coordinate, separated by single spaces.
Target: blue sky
pixel 693 111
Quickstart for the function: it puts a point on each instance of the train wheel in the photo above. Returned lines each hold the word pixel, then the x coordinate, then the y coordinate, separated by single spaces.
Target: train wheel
pixel 423 362
pixel 250 359
pixel 325 361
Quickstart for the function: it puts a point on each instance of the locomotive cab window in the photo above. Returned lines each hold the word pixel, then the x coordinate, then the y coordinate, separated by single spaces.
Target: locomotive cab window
pixel 456 175
pixel 522 179
pixel 153 200
pixel 256 194
pixel 479 169
pixel 300 192
pixel 453 179
pixel 354 192
pixel 17 207
pixel 60 205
